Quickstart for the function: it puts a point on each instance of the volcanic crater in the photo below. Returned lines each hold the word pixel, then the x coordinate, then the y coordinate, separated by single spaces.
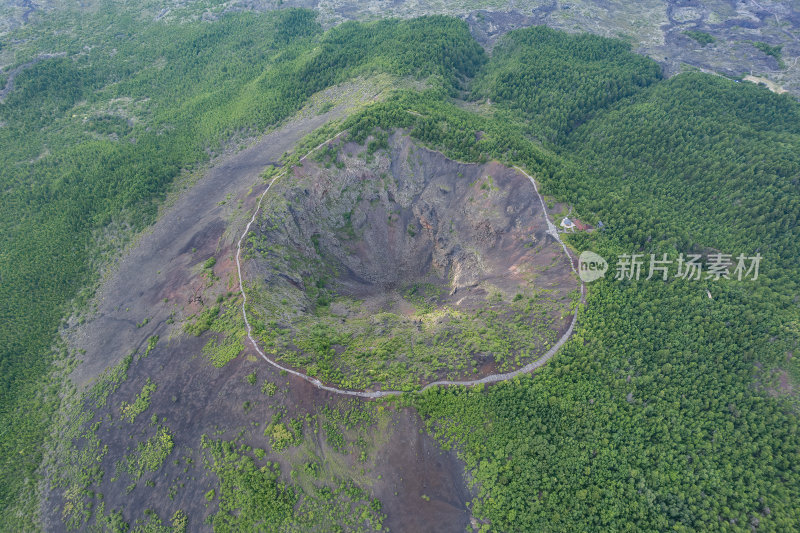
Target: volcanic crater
pixel 387 265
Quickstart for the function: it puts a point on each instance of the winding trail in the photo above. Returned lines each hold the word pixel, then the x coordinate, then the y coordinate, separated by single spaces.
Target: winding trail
pixel 492 378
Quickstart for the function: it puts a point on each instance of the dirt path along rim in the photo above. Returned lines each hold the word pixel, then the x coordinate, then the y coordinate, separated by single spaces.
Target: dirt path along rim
pixel 492 378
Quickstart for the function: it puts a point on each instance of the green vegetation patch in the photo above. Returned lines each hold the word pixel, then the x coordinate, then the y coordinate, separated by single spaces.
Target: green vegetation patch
pixel 772 51
pixel 151 345
pixel 224 320
pixel 284 434
pixel 400 351
pixel 251 497
pixel 700 36
pixel 129 411
pixel 559 80
pixel 78 452
pixel 109 381
pixel 150 455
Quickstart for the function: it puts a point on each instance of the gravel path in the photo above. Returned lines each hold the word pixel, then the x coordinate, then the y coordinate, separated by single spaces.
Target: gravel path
pixel 492 378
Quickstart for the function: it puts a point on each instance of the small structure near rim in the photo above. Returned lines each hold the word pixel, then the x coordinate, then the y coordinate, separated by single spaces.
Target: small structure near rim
pixel 573 224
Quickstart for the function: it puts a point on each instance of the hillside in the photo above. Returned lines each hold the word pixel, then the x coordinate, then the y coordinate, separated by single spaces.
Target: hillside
pixel 399 244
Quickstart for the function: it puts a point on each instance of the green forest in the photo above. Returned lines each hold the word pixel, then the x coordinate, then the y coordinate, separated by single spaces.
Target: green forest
pixel 558 81
pixel 668 407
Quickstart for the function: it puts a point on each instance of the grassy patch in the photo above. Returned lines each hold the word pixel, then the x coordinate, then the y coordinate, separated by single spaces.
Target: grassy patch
pixel 150 455
pixel 151 344
pixel 700 36
pixel 108 382
pixel 225 321
pixel 772 51
pixel 76 464
pixel 391 350
pixel 282 435
pixel 129 411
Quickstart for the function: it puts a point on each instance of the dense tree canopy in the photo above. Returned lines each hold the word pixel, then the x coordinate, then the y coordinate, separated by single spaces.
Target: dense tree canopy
pixel 558 80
